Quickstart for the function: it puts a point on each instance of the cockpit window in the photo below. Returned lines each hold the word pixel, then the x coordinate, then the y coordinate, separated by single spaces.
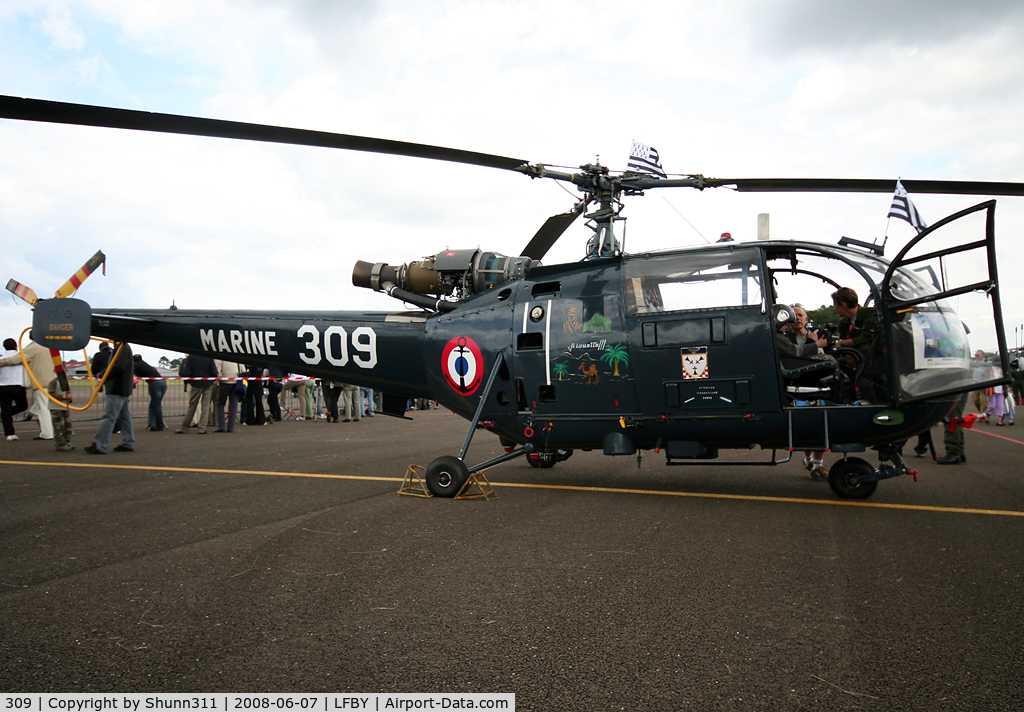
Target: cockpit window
pixel 693 281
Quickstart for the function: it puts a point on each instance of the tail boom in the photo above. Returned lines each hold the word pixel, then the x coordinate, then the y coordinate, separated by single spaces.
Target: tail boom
pixel 381 350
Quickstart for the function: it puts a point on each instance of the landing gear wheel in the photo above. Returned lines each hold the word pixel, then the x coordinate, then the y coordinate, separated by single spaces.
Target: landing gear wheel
pixel 842 471
pixel 446 475
pixel 542 459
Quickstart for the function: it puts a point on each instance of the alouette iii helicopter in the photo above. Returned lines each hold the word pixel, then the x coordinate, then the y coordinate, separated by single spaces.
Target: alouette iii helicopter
pixel 672 351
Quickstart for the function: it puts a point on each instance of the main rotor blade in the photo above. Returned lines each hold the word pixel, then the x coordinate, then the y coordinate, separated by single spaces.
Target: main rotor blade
pixel 85 115
pixel 855 185
pixel 549 232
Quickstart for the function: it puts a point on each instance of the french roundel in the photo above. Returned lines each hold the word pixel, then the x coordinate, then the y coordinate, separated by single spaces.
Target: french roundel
pixel 462 364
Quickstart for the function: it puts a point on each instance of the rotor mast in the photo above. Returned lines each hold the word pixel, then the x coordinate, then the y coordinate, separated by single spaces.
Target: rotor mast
pixel 600 187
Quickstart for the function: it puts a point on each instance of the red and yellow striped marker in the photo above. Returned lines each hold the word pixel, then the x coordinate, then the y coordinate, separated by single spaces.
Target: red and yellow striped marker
pixel 20 290
pixel 81 275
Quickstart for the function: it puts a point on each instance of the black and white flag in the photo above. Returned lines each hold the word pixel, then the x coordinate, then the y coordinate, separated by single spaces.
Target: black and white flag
pixel 903 208
pixel 644 159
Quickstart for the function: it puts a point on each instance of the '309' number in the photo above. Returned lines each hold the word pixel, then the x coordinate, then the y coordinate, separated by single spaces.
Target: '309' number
pixel 334 346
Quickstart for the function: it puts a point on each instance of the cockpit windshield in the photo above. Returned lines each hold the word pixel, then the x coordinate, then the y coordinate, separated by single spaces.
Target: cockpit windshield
pixel 693 280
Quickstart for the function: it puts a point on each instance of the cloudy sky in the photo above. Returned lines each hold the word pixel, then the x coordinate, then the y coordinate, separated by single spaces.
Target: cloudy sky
pixel 750 88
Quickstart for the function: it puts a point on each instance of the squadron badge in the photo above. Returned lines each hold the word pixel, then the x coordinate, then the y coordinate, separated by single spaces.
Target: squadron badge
pixel 695 361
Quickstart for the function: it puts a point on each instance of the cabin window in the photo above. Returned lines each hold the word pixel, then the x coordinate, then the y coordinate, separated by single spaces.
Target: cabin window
pixel 530 341
pixel 545 289
pixel 693 281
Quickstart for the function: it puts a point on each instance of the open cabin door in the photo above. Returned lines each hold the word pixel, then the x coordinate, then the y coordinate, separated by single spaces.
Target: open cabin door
pixel 941 295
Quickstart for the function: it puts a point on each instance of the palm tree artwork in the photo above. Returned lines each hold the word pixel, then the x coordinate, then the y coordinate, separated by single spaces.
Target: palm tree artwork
pixel 615 353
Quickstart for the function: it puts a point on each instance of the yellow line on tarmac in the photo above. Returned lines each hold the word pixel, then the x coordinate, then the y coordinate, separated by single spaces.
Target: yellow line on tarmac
pixel 764 498
pixel 104 466
pixel 572 488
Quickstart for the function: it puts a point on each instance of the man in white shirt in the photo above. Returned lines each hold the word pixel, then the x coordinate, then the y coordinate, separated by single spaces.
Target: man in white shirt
pixel 13 399
pixel 40 363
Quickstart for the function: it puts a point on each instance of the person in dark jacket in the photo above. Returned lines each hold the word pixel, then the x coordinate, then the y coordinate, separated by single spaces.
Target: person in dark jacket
pixel 858 324
pixel 204 369
pixel 101 359
pixel 275 375
pixel 157 389
pixel 254 412
pixel 116 392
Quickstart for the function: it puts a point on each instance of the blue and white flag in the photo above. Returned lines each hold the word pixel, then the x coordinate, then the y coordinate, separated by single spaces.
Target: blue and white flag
pixel 903 208
pixel 644 159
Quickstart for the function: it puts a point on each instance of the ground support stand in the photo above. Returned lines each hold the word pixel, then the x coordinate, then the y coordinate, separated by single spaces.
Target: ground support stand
pixel 477 487
pixel 414 485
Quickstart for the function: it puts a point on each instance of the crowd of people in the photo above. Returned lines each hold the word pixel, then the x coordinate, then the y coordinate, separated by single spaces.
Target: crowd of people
pixel 224 394
pixel 221 395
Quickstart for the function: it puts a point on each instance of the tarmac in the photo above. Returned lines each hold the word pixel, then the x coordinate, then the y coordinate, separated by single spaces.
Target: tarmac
pixel 281 559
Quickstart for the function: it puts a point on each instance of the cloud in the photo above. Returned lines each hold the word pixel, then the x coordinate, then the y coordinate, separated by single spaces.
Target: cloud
pixel 799 25
pixel 61 29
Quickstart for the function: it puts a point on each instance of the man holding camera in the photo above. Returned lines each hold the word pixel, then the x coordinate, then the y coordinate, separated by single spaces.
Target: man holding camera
pixel 797 340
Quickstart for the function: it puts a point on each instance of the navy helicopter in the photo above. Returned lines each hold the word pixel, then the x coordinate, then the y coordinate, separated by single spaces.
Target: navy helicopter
pixel 668 351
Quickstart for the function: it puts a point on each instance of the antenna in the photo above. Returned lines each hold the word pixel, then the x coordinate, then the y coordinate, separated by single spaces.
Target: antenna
pixel 762 226
pixel 869 246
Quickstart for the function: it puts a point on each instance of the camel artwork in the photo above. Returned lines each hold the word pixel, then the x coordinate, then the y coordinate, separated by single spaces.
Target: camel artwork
pixel 590 371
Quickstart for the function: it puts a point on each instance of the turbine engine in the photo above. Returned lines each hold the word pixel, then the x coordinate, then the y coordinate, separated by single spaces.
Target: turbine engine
pixel 461 273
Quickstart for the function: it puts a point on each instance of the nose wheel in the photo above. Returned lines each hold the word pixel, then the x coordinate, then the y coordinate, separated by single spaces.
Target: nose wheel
pixel 446 475
pixel 845 478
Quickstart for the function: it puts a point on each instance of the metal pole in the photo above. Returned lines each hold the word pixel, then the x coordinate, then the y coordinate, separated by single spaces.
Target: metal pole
pixel 480 406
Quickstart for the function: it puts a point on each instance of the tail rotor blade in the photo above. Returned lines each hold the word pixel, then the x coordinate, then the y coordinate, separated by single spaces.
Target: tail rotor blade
pixel 20 290
pixel 81 275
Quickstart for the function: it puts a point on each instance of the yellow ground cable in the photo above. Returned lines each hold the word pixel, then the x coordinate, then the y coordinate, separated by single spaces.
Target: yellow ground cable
pixel 92 380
